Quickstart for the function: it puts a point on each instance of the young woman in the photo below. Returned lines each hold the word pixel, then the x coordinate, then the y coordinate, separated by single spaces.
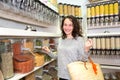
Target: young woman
pixel 71 46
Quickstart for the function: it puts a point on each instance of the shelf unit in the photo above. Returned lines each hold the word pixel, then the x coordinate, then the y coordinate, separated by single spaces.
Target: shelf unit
pixel 104 34
pixel 104 26
pixel 17 33
pixel 21 19
pixel 108 61
pixel 110 67
pixel 18 76
pixel 9 13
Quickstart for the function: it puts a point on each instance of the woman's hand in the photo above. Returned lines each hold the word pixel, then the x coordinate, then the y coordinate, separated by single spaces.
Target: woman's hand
pixel 88 45
pixel 46 49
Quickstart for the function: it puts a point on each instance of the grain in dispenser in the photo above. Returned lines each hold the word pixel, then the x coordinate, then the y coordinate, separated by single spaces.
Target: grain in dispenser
pixel 88 14
pixel 60 6
pixel 65 9
pixel 111 13
pixel 93 14
pixel 69 9
pixel 102 13
pixel 97 13
pixel 106 12
pixel 6 55
pixel 73 10
pixel 116 11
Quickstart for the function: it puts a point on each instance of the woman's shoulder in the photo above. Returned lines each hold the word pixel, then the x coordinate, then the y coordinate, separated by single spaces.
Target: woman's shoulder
pixel 80 38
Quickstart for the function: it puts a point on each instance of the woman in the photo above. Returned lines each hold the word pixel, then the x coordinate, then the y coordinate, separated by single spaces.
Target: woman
pixel 71 46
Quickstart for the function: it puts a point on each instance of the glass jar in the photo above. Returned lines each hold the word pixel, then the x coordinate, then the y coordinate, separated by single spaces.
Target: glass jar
pixel 61 9
pixel 65 10
pixel 6 55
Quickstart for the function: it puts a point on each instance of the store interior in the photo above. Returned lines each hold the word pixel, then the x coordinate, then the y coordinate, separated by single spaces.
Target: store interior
pixel 28 25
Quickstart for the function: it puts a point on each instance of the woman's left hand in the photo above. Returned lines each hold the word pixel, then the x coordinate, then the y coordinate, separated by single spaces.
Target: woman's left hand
pixel 88 45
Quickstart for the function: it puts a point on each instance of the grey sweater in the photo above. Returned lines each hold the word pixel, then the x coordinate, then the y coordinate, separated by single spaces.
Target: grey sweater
pixel 69 50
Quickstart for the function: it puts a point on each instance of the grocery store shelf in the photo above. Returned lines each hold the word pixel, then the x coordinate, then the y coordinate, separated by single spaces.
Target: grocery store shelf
pixel 110 67
pixel 18 33
pixel 104 26
pixel 18 76
pixel 103 34
pixel 21 19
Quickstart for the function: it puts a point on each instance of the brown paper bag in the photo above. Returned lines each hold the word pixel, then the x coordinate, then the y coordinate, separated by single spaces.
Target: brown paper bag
pixel 85 71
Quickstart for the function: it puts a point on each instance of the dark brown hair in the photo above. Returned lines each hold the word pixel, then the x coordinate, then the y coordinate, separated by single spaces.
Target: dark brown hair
pixel 77 29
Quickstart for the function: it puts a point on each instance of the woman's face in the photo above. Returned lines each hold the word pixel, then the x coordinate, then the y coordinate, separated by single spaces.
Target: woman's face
pixel 68 26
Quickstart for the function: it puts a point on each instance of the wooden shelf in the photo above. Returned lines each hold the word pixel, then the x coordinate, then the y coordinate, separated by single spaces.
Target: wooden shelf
pixel 18 76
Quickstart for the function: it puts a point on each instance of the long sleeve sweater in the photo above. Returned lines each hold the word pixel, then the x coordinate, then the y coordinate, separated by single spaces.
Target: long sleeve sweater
pixel 69 50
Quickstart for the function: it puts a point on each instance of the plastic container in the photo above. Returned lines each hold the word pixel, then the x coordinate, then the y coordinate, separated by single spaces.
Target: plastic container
pixel 6 56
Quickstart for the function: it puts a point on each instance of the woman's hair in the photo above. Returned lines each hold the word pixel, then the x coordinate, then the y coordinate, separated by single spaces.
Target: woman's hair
pixel 77 29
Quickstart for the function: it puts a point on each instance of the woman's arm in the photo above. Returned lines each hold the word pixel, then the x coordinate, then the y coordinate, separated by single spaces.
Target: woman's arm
pixel 49 52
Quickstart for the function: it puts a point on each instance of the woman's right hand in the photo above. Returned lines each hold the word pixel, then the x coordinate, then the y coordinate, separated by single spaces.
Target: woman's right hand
pixel 46 49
